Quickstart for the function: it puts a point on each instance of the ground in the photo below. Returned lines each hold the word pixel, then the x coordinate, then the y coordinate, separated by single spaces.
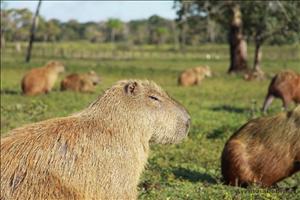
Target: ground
pixel 218 107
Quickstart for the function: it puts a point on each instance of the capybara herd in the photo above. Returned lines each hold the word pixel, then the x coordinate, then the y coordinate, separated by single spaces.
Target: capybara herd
pixel 98 153
pixel 41 80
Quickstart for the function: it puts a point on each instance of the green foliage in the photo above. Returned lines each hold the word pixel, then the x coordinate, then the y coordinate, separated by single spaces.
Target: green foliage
pixel 268 18
pixel 218 107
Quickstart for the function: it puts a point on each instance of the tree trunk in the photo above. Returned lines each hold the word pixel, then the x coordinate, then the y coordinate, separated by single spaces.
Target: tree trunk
pixel 238 46
pixel 211 27
pixel 257 57
pixel 2 42
pixel 112 38
pixel 32 31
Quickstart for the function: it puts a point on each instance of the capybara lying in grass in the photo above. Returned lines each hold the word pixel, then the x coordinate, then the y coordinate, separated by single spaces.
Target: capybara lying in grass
pixel 286 86
pixel 193 76
pixel 98 153
pixel 41 80
pixel 263 151
pixel 80 82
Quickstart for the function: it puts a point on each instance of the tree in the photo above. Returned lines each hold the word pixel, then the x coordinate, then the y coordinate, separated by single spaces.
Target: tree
pixel 32 31
pixel 238 45
pixel 158 29
pixel 267 19
pixel 114 25
pixel 93 33
pixel 139 32
pixel 226 13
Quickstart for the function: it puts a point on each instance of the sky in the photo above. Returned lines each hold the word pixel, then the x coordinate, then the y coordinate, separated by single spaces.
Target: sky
pixel 85 11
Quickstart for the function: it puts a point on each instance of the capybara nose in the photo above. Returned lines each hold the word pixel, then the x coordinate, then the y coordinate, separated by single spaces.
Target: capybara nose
pixel 188 124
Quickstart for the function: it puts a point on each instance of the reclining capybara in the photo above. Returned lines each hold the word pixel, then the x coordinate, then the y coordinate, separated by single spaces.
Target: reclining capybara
pixel 41 80
pixel 98 153
pixel 264 151
pixel 80 82
pixel 286 86
pixel 193 76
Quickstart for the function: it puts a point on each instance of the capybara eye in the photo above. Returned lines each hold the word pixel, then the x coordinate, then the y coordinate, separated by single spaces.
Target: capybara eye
pixel 153 98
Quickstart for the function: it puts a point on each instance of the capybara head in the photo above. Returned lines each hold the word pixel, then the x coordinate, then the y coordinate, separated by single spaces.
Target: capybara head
pixel 146 108
pixel 56 65
pixel 94 77
pixel 204 70
pixel 207 71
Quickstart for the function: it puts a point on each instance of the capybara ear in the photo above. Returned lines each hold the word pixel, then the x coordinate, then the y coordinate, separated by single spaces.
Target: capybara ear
pixel 131 88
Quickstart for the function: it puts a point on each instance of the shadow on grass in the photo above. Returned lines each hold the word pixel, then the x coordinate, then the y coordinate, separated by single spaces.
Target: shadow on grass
pixel 229 108
pixel 10 91
pixel 193 176
pixel 216 134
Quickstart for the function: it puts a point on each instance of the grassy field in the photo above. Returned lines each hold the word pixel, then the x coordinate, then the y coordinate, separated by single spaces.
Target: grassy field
pixel 190 170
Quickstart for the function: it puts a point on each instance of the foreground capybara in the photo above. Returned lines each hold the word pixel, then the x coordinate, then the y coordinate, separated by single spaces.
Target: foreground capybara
pixel 80 82
pixel 193 76
pixel 41 80
pixel 263 151
pixel 286 86
pixel 98 153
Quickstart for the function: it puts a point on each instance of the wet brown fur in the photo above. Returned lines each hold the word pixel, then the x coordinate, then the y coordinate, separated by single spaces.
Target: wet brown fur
pixel 41 80
pixel 264 151
pixel 194 76
pixel 286 86
pixel 80 82
pixel 98 153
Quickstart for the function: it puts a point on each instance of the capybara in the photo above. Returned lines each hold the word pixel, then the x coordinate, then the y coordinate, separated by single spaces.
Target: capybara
pixel 98 153
pixel 193 76
pixel 80 82
pixel 41 80
pixel 263 151
pixel 286 86
pixel 254 75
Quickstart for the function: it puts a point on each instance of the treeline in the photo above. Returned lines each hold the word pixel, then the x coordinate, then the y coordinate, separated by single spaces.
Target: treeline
pixel 154 30
pixel 15 26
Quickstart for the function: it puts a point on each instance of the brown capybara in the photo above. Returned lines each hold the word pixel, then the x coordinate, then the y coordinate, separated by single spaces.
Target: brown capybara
pixel 263 151
pixel 41 80
pixel 80 82
pixel 286 86
pixel 193 76
pixel 98 153
pixel 254 75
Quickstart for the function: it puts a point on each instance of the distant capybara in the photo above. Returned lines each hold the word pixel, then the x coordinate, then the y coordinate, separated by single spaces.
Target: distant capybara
pixel 41 80
pixel 286 86
pixel 254 75
pixel 263 151
pixel 193 76
pixel 80 82
pixel 98 153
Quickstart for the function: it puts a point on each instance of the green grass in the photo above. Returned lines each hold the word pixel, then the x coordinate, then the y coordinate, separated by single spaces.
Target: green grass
pixel 190 170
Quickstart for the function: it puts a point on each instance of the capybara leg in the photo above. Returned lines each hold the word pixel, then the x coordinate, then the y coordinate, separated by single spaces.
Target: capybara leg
pixel 235 167
pixel 267 103
pixel 285 103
